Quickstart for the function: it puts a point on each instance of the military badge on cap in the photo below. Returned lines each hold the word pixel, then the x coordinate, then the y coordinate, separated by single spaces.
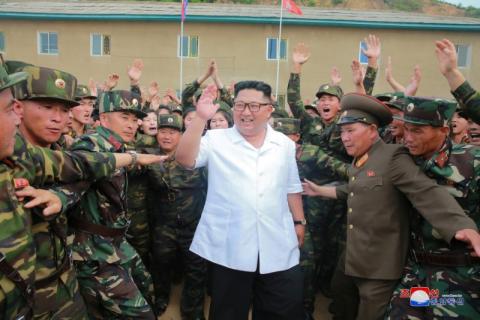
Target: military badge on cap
pixel 170 120
pixel 85 91
pixel 410 107
pixel 326 87
pixel 134 102
pixel 60 83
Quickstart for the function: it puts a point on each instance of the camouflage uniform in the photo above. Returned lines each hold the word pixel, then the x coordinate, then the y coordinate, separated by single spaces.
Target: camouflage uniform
pixel 457 168
pixel 322 214
pixel 113 280
pixel 138 233
pixel 56 287
pixel 319 167
pixel 181 196
pixel 193 90
pixel 395 100
pixel 469 100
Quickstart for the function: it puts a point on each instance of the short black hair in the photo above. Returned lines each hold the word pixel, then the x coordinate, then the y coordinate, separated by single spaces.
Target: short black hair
pixel 256 85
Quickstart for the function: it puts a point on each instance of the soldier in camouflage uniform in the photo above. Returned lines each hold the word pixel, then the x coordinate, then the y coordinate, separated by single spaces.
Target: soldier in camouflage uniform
pixel 181 196
pixel 46 99
pixel 444 267
pixel 82 114
pixel 313 164
pixel 113 280
pixel 21 165
pixel 393 133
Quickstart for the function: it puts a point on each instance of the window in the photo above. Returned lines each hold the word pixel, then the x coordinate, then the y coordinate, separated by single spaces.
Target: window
pixel 99 44
pixel 463 53
pixel 362 57
pixel 47 43
pixel 272 49
pixel 190 47
pixel 2 42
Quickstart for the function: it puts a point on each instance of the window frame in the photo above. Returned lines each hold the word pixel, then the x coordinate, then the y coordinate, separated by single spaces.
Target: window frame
pixel 39 43
pixel 102 44
pixel 362 45
pixel 189 50
pixel 468 61
pixel 267 42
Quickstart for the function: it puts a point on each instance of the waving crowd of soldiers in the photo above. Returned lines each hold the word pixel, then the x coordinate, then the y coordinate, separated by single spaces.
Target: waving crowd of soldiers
pixel 97 216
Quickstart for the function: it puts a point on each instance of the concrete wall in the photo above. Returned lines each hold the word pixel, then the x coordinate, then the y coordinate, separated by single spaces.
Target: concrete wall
pixel 238 48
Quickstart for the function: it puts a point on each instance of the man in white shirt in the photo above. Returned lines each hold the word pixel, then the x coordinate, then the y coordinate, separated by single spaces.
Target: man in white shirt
pixel 252 223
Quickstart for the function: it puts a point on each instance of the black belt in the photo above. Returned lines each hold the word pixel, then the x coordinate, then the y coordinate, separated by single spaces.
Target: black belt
pixel 98 229
pixel 447 259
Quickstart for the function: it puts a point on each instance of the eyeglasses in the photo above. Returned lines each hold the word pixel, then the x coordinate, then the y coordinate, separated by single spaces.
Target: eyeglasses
pixel 253 106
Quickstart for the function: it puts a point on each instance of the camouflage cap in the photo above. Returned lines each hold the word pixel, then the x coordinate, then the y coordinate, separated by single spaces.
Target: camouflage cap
pixel 429 112
pixel 312 106
pixel 177 108
pixel 170 121
pixel 120 101
pixel 287 125
pixel 10 80
pixel 14 66
pixel 279 113
pixel 330 90
pixel 46 83
pixel 84 92
pixel 394 100
pixel 363 108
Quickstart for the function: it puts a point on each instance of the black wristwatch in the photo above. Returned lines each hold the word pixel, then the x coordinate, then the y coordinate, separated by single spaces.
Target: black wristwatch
pixel 303 222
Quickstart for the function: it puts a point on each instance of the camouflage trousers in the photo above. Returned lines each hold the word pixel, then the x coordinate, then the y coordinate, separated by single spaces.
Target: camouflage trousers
pixel 454 293
pixel 307 264
pixel 138 234
pixel 168 241
pixel 116 291
pixel 60 299
pixel 326 223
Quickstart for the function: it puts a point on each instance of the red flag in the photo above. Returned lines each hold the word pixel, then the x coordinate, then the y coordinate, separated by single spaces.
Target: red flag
pixel 184 9
pixel 292 7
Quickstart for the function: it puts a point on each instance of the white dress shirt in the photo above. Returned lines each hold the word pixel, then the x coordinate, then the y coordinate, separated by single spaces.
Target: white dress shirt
pixel 246 214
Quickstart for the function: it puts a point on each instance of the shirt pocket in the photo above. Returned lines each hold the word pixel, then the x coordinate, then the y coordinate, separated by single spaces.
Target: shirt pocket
pixel 374 183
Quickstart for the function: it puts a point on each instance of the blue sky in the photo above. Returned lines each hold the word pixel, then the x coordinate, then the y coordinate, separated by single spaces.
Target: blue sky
pixel 465 3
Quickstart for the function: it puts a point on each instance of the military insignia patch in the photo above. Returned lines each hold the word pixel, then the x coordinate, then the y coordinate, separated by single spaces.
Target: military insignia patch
pixel 371 173
pixel 410 107
pixel 134 102
pixel 85 91
pixel 326 87
pixel 60 83
pixel 170 120
pixel 318 127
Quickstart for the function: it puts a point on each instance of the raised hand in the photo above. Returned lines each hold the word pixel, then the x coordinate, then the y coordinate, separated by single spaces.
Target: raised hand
pixel 135 71
pixel 206 109
pixel 357 72
pixel 301 54
pixel 147 159
pixel 153 89
pixel 155 103
pixel 374 47
pixel 335 77
pixel 446 56
pixel 412 87
pixel 111 81
pixel 92 85
pixel 389 70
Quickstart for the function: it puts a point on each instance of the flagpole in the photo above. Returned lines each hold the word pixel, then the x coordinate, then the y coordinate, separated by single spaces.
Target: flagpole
pixel 181 58
pixel 278 48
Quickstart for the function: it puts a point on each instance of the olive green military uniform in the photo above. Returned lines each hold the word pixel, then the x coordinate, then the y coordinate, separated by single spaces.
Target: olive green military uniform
pixel 313 164
pixel 56 287
pixel 113 280
pixel 180 195
pixel 384 186
pixel 445 268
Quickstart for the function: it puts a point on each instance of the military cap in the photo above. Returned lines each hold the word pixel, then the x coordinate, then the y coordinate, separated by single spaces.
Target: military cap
pixel 279 113
pixel 287 125
pixel 394 100
pixel 120 100
pixel 84 92
pixel 170 121
pixel 330 90
pixel 429 112
pixel 363 108
pixel 46 83
pixel 313 106
pixel 15 66
pixel 9 80
pixel 177 108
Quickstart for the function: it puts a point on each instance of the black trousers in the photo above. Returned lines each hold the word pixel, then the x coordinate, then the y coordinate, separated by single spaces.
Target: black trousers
pixel 275 296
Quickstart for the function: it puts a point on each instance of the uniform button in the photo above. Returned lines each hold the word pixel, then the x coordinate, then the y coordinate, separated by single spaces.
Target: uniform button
pixel 350 210
pixel 351 194
pixel 353 178
pixel 350 226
